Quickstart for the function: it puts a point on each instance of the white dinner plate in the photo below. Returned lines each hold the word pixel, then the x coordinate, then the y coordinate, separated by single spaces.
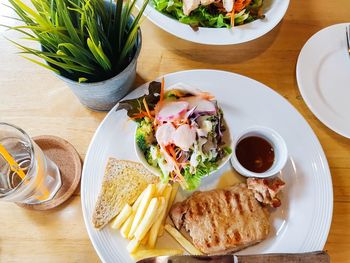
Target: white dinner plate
pixel 323 75
pixel 274 11
pixel 302 222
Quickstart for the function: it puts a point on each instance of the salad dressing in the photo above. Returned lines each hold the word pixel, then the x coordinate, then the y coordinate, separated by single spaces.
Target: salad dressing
pixel 255 154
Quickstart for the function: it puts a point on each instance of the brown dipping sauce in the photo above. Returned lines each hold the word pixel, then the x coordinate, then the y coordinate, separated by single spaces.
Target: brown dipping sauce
pixel 255 154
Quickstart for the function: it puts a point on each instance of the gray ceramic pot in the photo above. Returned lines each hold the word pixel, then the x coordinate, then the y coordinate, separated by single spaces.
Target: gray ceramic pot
pixel 103 95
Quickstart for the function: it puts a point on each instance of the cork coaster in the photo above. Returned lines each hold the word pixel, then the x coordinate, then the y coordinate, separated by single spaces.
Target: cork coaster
pixel 68 161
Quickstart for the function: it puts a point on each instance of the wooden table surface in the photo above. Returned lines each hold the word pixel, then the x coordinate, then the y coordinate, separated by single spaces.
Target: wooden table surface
pixel 34 99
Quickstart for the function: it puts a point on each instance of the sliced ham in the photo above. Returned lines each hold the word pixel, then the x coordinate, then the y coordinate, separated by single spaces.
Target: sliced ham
pixel 190 5
pixel 228 5
pixel 200 105
pixel 172 110
pixel 169 164
pixel 184 137
pixel 165 134
pixel 207 2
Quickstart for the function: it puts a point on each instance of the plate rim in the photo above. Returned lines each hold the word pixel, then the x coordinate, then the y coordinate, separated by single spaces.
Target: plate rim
pixel 317 144
pixel 153 15
pixel 303 90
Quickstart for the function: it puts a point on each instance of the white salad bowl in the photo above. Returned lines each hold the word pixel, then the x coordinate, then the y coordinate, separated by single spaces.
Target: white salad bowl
pixel 274 11
pixel 226 138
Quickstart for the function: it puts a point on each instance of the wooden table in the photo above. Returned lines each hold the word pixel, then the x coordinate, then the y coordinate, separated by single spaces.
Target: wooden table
pixel 34 99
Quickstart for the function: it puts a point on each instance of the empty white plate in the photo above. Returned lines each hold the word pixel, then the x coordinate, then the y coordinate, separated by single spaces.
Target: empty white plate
pixel 323 75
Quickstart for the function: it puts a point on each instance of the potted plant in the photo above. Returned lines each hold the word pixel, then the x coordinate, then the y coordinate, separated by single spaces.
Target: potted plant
pixel 92 45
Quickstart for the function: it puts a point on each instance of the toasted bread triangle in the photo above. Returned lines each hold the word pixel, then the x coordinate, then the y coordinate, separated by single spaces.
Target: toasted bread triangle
pixel 123 182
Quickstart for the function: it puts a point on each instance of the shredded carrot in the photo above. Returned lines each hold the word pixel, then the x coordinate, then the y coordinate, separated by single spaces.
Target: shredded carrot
pixel 205 95
pixel 155 123
pixel 171 150
pixel 177 171
pixel 161 97
pixel 180 122
pixel 146 107
pixel 239 5
pixel 162 90
pixel 260 12
pixel 157 107
pixel 139 115
pixel 182 179
pixel 233 17
pixel 177 93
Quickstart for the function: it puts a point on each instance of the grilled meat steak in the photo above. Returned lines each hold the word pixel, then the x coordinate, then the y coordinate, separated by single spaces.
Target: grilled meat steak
pixel 222 220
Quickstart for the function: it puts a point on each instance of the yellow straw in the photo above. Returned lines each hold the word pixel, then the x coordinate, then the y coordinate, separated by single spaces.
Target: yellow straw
pixel 17 169
pixel 13 164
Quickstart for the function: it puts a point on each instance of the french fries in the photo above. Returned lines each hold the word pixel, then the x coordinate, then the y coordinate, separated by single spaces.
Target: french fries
pixel 162 204
pixel 153 233
pixel 187 245
pixel 160 188
pixel 124 231
pixel 148 219
pixel 122 217
pixel 173 193
pixel 133 245
pixel 142 209
pixel 174 190
pixel 145 239
pixel 161 230
pixel 138 200
pixel 141 254
pixel 166 194
pixel 142 221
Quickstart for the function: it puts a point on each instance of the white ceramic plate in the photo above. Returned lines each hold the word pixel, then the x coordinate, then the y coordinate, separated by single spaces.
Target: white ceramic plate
pixel 274 11
pixel 300 224
pixel 323 75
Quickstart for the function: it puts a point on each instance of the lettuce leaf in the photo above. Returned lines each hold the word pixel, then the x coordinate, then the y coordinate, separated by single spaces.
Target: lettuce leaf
pixel 135 106
pixel 194 180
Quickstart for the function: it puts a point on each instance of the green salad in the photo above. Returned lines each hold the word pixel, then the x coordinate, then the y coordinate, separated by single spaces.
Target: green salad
pixel 179 132
pixel 211 13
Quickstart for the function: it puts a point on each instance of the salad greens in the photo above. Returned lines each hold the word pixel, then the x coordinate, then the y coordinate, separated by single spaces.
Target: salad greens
pixel 179 132
pixel 145 136
pixel 212 15
pixel 135 106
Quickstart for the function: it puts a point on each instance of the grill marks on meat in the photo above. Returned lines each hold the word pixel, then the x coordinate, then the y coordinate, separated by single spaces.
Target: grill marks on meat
pixel 223 220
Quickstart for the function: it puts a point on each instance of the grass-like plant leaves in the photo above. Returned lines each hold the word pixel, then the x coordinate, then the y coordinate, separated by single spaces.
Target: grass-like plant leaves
pixel 84 40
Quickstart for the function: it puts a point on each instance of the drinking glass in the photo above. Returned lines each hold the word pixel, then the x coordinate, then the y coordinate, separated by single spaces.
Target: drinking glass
pixel 26 174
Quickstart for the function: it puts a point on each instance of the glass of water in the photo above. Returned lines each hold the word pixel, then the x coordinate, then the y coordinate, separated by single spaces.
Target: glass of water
pixel 26 174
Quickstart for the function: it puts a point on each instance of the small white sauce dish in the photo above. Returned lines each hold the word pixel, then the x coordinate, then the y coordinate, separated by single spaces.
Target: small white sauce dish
pixel 276 141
